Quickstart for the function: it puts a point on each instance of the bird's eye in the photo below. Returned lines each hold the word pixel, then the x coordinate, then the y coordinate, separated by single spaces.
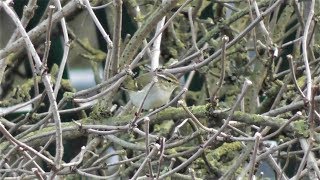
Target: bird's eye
pixel 169 80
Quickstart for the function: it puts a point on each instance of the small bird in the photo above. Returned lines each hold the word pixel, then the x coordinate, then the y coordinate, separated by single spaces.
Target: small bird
pixel 159 93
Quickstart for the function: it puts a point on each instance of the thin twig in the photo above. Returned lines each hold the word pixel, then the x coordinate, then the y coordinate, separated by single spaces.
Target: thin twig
pixel 228 45
pixel 175 99
pixel 41 150
pixel 112 60
pixel 6 111
pixel 286 163
pixel 154 81
pixel 162 149
pixel 104 34
pixel 292 68
pixel 45 80
pixel 143 51
pixel 195 119
pixel 214 94
pixel 92 176
pixel 153 152
pixel 98 24
pixel 254 155
pixel 103 93
pixel 48 37
pixel 304 50
pixel 65 50
pixel 247 83
pixel 147 142
pixel 102 6
pixel 293 118
pixel 75 163
pixel 306 147
pixel 23 145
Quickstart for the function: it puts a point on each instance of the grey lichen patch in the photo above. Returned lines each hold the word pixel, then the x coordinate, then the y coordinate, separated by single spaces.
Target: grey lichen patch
pixel 301 128
pixel 20 93
pixel 163 128
pixel 65 83
pixel 68 95
pixel 220 158
pixel 92 54
pixel 226 151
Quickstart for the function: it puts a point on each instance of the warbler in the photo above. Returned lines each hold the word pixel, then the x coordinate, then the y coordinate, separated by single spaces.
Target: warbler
pixel 159 93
